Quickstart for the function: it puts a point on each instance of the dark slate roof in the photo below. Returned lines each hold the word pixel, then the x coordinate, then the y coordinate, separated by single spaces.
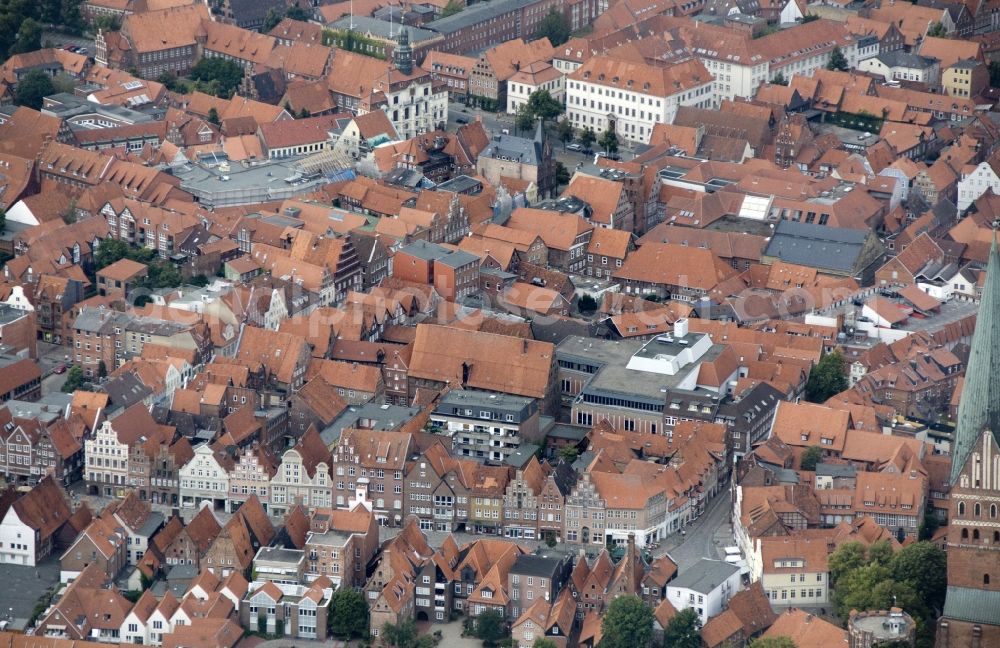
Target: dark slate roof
pixel 816 246
pixel 126 390
pixel 476 14
pixel 899 58
pixel 565 477
pixel 531 565
pixel 253 12
pixel 972 605
pixel 979 408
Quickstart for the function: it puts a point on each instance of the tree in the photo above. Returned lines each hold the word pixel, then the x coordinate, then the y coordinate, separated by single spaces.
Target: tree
pixel 490 627
pixel 32 87
pixel 107 23
pixel 924 566
pixel 995 74
pixel 827 378
pixel 880 553
pixel 74 380
pixel 565 131
pixel 837 60
pixel 102 370
pixel 811 457
pixel 683 631
pixel 609 141
pixel 218 75
pixel 628 623
pixel 937 30
pixel 213 116
pixel 400 635
pixel 586 137
pixel 555 27
pixel 562 173
pixel 773 642
pixel 348 615
pixel 568 453
pixel 295 12
pixel 848 557
pixel 110 250
pixel 524 121
pixel 587 304
pixel 779 79
pixel 271 20
pixel 3 221
pixel 29 37
pixel 543 106
pixel 544 642
pixel 452 8
pixel 304 113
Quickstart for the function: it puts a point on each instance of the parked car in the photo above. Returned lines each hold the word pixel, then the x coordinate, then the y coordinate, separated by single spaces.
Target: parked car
pixel 82 50
pixel 461 120
pixel 574 147
pixel 60 369
pixel 587 151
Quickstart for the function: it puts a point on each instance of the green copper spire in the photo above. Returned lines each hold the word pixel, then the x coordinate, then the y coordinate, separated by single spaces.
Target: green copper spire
pixel 979 408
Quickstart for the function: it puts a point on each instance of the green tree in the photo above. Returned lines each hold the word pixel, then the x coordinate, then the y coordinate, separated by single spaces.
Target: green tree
pixel 683 631
pixel 568 453
pixel 102 370
pixel 32 87
pixel 924 566
pixel 107 23
pixel 29 37
pixel 587 304
pixel 3 221
pixel 524 121
pixel 930 525
pixel 565 131
pixel 880 553
pixel 937 30
pixel 848 557
pixel 295 12
pixel 837 60
pixel 452 8
pixel 628 623
pixel 271 20
pixel 808 18
pixel 555 27
pixel 827 378
pixel 773 642
pixel 995 74
pixel 586 137
pixel 400 635
pixel 811 457
pixel 779 79
pixel 490 627
pixel 544 642
pixel 74 380
pixel 543 106
pixel 348 615
pixel 562 173
pixel 609 141
pixel 213 116
pixel 219 75
pixel 304 113
pixel 110 250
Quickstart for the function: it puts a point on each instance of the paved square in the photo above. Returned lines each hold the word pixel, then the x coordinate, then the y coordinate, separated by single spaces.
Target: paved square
pixel 21 587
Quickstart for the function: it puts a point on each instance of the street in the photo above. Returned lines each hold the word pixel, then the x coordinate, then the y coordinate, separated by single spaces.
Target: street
pixel 51 356
pixel 704 538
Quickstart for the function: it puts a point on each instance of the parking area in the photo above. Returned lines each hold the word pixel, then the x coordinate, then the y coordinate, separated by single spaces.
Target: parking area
pixel 23 587
pixel 54 39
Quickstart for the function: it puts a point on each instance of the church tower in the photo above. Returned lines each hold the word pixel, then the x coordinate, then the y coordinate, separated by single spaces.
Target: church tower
pixel 403 53
pixel 971 616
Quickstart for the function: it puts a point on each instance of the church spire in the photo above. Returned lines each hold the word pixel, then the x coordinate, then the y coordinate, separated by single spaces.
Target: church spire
pixel 979 408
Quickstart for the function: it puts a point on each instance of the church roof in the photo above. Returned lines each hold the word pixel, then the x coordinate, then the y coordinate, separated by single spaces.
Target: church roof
pixel 972 605
pixel 979 408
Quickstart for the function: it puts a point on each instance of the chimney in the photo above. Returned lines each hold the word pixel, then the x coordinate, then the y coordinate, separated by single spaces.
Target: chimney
pixel 681 327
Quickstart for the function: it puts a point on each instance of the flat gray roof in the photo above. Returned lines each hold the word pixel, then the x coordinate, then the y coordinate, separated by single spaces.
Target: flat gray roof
pixel 705 575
